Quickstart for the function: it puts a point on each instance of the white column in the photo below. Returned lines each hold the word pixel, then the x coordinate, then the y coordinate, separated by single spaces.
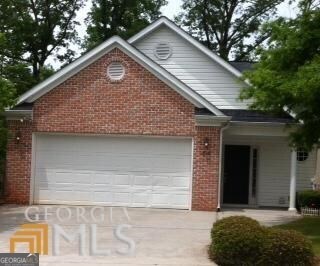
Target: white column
pixel 293 181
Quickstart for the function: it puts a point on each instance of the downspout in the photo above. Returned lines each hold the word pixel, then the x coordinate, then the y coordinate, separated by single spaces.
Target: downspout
pixel 220 164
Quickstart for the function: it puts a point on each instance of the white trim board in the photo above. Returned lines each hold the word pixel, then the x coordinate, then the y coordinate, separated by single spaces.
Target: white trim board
pixel 96 53
pixel 167 22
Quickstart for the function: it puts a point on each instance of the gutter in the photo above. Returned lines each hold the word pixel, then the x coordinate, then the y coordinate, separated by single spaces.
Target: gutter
pixel 17 114
pixel 246 123
pixel 209 120
pixel 226 126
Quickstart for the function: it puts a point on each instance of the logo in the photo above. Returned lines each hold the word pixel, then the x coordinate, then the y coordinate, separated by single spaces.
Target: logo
pixel 84 233
pixel 35 235
pixel 19 259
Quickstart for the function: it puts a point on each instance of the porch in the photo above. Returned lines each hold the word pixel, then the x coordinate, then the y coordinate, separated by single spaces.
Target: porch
pixel 259 169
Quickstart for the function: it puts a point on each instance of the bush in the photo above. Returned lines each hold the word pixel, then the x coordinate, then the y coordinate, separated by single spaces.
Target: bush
pixel 239 240
pixel 309 198
pixel 236 240
pixel 287 247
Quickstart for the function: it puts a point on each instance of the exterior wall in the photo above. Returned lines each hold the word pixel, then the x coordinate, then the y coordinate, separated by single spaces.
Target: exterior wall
pixel 89 103
pixel 206 169
pixel 140 104
pixel 18 165
pixel 195 69
pixel 274 168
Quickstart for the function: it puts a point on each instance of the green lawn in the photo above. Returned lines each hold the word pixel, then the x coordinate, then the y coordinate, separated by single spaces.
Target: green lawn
pixel 310 227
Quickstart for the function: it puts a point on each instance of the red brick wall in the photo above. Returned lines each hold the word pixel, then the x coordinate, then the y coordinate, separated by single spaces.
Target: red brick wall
pixel 90 103
pixel 18 165
pixel 140 104
pixel 206 169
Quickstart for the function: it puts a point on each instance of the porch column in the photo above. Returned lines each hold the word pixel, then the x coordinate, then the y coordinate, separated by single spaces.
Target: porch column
pixel 293 180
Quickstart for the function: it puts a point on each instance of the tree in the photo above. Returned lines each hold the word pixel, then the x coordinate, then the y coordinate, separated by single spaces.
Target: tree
pixel 119 17
pixel 228 26
pixel 35 30
pixel 7 96
pixel 288 75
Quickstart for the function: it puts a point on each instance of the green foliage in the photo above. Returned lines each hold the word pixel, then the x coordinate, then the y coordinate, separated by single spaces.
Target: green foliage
pixel 288 75
pixel 19 73
pixel 34 30
pixel 287 247
pixel 7 96
pixel 308 226
pixel 309 198
pixel 3 144
pixel 238 240
pixel 228 26
pixel 119 17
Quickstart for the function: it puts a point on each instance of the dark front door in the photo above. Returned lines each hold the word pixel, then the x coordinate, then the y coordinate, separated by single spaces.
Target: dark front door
pixel 236 174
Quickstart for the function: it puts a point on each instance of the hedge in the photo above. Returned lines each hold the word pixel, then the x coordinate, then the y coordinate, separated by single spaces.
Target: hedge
pixel 308 198
pixel 239 240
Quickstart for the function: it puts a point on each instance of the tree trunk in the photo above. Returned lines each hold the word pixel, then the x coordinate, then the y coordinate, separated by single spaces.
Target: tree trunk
pixel 36 71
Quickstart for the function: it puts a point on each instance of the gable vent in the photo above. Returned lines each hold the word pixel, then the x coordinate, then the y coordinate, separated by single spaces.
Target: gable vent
pixel 115 71
pixel 163 51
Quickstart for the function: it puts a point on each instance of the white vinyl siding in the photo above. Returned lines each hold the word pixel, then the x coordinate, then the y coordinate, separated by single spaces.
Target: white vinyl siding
pixel 113 171
pixel 274 169
pixel 195 69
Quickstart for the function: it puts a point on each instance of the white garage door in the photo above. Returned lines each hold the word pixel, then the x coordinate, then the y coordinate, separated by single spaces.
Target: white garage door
pixel 118 171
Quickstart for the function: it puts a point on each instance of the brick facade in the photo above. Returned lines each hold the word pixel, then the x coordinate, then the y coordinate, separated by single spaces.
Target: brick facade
pixel 206 168
pixel 18 170
pixel 140 104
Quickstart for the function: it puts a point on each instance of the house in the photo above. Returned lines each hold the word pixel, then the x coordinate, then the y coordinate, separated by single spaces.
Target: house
pixel 154 121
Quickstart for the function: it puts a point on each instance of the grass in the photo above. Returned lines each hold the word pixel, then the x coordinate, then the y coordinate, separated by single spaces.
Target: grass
pixel 310 227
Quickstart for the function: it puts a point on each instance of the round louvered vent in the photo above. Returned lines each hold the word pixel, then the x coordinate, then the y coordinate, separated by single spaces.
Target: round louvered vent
pixel 163 51
pixel 115 71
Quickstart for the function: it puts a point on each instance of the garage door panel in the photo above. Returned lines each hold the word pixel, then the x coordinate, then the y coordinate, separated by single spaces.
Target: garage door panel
pixel 180 182
pixel 141 197
pixel 122 180
pixel 102 197
pixel 162 199
pixel 74 196
pixel 82 196
pixel 102 179
pixel 118 171
pixel 142 181
pixel 122 197
pixel 161 181
pixel 46 195
pixel 172 164
pixel 101 187
pixel 179 199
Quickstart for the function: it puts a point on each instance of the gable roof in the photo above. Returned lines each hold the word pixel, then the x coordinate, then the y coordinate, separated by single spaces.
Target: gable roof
pixel 116 42
pixel 167 22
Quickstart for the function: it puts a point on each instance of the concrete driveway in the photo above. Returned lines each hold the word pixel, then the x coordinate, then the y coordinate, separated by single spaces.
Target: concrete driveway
pixel 160 236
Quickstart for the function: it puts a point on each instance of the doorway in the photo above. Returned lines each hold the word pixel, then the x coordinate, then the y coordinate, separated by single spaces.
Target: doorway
pixel 236 174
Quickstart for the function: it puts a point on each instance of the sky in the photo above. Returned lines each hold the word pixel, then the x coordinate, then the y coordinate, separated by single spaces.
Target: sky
pixel 170 10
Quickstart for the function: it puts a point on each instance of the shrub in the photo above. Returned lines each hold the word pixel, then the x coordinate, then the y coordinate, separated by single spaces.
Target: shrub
pixel 236 240
pixel 309 198
pixel 287 247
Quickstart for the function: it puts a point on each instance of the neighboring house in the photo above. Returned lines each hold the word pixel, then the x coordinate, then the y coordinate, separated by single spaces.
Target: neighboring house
pixel 154 121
